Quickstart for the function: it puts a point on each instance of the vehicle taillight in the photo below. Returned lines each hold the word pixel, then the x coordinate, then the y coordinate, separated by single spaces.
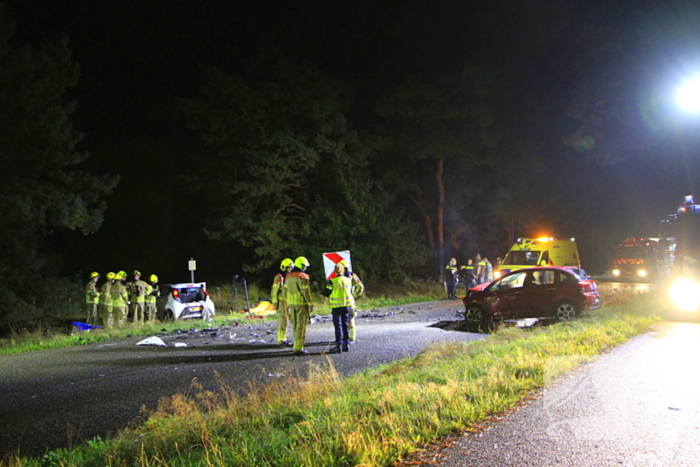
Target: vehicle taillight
pixel 176 294
pixel 586 286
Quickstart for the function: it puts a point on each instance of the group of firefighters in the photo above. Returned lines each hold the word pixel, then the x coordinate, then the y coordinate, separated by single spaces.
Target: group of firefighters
pixel 117 300
pixel 291 297
pixel 475 272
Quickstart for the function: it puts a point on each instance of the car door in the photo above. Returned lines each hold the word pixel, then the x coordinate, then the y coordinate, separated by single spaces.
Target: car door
pixel 541 288
pixel 511 295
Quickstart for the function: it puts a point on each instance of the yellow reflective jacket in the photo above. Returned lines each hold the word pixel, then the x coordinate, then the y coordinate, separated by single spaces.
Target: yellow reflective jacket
pixel 105 294
pixel 154 293
pixel 138 291
pixel 341 295
pixel 297 288
pixel 119 295
pixel 277 294
pixel 91 293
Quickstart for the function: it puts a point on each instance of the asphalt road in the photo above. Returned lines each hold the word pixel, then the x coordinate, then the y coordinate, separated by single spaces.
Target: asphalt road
pixel 58 398
pixel 638 405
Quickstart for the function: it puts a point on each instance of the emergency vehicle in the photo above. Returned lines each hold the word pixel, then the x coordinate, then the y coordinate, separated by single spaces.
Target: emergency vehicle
pixel 684 290
pixel 642 258
pixel 544 251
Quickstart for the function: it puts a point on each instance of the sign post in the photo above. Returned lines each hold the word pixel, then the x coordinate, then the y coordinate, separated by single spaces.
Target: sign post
pixel 192 264
pixel 333 258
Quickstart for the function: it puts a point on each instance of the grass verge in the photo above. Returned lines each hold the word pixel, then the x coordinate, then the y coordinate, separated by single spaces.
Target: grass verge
pixel 369 419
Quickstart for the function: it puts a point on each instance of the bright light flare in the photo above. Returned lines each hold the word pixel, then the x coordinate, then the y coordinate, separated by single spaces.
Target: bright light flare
pixel 688 96
pixel 685 294
pixel 616 272
pixel 642 273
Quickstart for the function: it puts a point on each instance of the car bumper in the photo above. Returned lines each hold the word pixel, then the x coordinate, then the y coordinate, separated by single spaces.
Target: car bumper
pixel 592 300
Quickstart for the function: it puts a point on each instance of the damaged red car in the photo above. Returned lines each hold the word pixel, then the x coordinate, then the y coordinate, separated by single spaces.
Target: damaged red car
pixel 553 293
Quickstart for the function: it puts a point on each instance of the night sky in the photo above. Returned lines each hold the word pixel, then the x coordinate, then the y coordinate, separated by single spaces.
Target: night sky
pixel 138 58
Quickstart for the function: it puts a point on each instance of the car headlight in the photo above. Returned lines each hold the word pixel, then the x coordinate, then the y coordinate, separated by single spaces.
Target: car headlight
pixel 616 272
pixel 642 273
pixel 685 294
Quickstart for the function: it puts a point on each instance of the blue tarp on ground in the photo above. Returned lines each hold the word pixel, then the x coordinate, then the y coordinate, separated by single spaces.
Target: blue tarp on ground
pixel 85 326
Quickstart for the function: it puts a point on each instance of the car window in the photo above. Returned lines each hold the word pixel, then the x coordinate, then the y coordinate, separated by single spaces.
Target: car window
pixel 512 281
pixel 546 277
pixel 191 294
pixel 568 277
pixel 521 258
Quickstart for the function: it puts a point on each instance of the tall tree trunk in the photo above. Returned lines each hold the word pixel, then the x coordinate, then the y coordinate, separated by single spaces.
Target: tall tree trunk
pixel 421 203
pixel 440 213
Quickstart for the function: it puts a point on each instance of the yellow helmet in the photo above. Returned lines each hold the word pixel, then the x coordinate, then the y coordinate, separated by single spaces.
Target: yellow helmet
pixel 111 275
pixel 137 272
pixel 120 274
pixel 154 278
pixel 301 263
pixel 94 274
pixel 286 263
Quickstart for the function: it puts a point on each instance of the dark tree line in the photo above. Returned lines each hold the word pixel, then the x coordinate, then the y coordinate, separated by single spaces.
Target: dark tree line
pixel 429 148
pixel 41 185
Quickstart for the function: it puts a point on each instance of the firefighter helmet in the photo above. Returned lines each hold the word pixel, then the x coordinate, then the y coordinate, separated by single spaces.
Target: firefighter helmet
pixel 286 263
pixel 120 274
pixel 301 263
pixel 137 272
pixel 111 275
pixel 154 278
pixel 94 274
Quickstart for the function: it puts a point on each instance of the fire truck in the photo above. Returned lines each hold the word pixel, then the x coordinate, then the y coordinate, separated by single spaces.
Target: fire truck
pixel 686 225
pixel 643 259
pixel 685 284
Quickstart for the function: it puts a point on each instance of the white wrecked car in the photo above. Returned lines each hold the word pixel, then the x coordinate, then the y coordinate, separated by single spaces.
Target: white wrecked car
pixel 185 301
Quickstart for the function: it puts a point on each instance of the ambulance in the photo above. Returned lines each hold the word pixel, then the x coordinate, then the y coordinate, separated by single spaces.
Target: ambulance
pixel 544 251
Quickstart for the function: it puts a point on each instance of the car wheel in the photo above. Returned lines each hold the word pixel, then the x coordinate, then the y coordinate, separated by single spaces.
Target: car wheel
pixel 474 315
pixel 168 316
pixel 565 311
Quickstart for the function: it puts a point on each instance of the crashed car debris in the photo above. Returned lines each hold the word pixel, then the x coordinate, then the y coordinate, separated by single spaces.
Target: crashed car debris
pixel 185 301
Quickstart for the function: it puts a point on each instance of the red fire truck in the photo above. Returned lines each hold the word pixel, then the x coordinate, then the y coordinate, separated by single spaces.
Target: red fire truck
pixel 643 259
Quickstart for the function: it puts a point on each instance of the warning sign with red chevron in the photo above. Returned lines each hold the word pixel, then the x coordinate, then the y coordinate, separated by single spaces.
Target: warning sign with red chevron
pixel 331 259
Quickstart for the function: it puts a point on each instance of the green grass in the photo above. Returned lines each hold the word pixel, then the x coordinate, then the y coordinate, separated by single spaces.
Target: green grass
pixel 369 419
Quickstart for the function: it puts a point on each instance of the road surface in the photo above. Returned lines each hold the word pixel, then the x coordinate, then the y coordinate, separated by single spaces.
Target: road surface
pixel 637 406
pixel 57 398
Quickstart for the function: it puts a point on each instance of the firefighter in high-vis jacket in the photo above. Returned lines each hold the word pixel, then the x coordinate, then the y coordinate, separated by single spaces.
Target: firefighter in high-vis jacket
pixel 152 298
pixel 120 298
pixel 341 301
pixel 297 290
pixel 105 310
pixel 358 288
pixel 138 290
pixel 279 301
pixel 92 298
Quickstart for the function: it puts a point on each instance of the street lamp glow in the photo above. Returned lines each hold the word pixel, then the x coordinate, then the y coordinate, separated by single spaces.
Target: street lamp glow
pixel 688 96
